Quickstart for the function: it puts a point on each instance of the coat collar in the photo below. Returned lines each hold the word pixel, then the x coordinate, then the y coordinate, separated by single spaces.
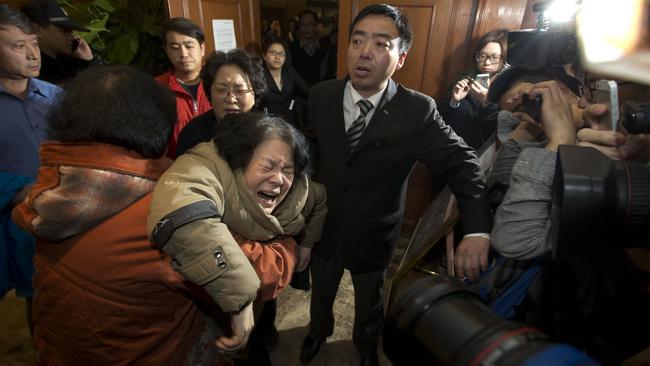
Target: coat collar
pixel 242 214
pixel 383 115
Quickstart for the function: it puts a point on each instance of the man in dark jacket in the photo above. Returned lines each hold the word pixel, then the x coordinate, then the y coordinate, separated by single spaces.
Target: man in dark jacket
pixel 63 55
pixel 370 132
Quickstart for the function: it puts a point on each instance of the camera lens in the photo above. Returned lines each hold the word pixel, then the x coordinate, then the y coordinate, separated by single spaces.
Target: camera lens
pixel 439 322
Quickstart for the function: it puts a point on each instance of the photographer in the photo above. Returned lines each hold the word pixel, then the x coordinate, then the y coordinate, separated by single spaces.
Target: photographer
pixel 599 305
pixel 522 220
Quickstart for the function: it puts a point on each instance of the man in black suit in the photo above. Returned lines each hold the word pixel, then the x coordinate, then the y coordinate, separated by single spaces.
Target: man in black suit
pixel 370 132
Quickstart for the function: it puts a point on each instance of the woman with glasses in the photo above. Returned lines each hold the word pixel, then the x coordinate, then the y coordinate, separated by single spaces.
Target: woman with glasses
pixel 234 82
pixel 465 106
pixel 286 89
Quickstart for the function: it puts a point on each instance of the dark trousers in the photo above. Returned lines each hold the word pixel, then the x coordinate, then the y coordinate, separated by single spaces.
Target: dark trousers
pixel 368 303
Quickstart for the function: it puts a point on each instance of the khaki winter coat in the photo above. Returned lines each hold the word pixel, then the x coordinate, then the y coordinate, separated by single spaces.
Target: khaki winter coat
pixel 200 200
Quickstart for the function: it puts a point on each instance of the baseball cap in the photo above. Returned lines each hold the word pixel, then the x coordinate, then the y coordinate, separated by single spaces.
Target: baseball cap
pixel 49 12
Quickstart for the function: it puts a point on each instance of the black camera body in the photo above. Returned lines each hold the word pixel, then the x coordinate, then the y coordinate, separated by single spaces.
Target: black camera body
pixel 539 49
pixel 598 202
pixel 532 106
pixel 636 117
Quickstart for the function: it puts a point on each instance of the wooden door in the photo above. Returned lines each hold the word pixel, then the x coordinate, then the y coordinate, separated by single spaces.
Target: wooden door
pixel 244 13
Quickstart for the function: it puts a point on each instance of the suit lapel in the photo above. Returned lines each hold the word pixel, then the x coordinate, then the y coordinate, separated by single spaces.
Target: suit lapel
pixel 383 115
pixel 338 118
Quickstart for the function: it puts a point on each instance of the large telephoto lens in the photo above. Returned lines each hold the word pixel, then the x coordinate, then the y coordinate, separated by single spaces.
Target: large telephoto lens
pixel 598 202
pixel 439 322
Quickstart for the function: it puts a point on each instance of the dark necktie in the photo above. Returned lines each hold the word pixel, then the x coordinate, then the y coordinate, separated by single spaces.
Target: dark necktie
pixel 356 130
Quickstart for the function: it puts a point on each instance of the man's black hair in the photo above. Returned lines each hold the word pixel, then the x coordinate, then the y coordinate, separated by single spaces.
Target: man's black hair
pixel 116 105
pixel 241 133
pixel 507 78
pixel 401 22
pixel 183 26
pixel 250 65
pixel 10 16
pixel 305 12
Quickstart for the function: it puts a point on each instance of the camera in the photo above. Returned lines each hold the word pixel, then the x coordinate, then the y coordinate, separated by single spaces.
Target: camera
pixel 598 202
pixel 438 321
pixel 532 106
pixel 636 117
pixel 547 45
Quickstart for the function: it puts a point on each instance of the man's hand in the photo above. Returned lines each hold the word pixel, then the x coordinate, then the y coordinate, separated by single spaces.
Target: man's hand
pixel 242 323
pixel 304 257
pixel 527 130
pixel 471 257
pixel 83 51
pixel 557 115
pixel 460 90
pixel 616 145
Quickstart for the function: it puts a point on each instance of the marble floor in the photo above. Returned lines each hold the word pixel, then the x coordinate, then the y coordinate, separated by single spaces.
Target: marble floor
pixel 292 323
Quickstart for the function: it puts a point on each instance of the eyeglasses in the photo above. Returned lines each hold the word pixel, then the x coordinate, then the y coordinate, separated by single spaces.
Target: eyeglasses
pixel 481 57
pixel 222 93
pixel 277 53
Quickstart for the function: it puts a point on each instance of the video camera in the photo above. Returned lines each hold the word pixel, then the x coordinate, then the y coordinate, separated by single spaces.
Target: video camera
pixel 438 321
pixel 598 202
pixel 548 45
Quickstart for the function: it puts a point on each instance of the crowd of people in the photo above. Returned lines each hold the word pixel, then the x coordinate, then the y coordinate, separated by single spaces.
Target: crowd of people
pixel 157 220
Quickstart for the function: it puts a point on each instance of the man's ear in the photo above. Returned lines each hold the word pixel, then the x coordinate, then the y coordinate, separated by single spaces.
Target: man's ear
pixel 401 60
pixel 202 49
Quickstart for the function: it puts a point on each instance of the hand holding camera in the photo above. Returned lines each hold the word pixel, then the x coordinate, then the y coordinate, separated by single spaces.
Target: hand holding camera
pixel 478 87
pixel 555 113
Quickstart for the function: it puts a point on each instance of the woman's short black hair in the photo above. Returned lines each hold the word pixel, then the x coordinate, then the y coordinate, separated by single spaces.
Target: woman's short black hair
pixel 271 40
pixel 250 65
pixel 183 26
pixel 240 134
pixel 400 20
pixel 116 105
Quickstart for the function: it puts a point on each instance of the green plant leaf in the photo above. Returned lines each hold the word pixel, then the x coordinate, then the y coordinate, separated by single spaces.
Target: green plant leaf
pixel 104 4
pixel 124 48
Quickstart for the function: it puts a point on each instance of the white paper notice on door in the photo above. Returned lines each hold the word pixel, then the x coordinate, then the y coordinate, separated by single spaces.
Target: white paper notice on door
pixel 224 34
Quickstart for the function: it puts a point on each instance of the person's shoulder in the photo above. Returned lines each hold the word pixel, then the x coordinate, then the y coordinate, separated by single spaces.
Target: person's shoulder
pixel 202 120
pixel 199 129
pixel 413 96
pixel 328 86
pixel 45 88
pixel 164 77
